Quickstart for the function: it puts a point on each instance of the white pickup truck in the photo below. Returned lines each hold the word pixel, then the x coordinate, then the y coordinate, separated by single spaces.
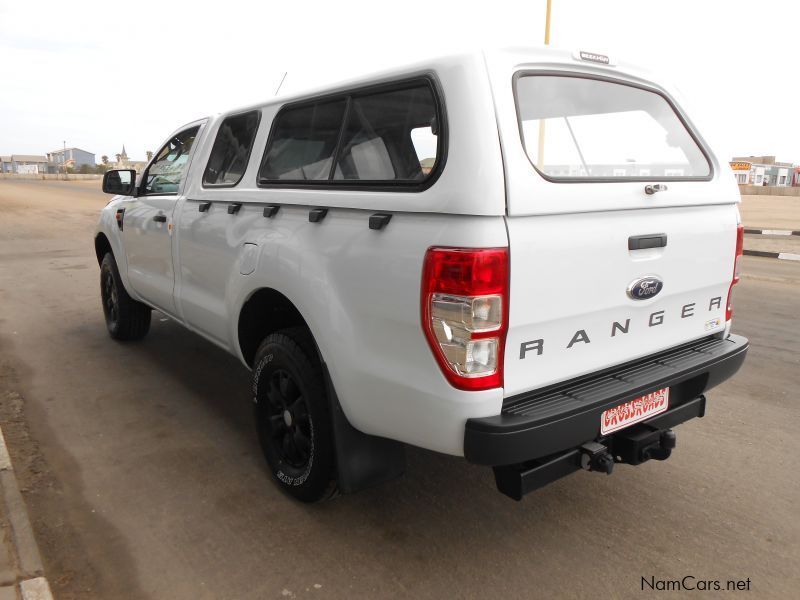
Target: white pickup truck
pixel 524 257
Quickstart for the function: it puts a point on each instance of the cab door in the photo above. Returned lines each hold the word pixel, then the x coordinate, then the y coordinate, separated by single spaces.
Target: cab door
pixel 148 222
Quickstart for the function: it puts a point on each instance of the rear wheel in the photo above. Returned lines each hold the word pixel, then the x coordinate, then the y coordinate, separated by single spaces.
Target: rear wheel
pixel 292 416
pixel 126 319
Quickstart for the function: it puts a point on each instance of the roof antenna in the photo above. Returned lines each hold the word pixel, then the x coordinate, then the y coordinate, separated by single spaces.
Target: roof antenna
pixel 281 83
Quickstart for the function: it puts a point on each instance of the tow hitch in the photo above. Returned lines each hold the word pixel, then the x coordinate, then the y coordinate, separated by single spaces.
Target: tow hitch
pixel 643 442
pixel 596 457
pixel 632 446
pixel 653 439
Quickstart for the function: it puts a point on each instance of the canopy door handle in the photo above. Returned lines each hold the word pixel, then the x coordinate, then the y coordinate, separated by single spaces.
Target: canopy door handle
pixel 651 240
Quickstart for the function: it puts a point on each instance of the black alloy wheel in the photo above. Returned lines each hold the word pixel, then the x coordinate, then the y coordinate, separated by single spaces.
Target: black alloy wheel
pixel 292 415
pixel 126 318
pixel 108 289
pixel 291 428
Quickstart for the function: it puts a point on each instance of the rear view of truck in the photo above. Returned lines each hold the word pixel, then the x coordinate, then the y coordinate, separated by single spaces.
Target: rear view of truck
pixel 624 239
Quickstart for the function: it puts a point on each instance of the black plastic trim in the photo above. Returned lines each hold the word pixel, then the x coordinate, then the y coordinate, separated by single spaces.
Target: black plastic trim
pixel 650 240
pixel 271 210
pixel 379 220
pixel 565 415
pixel 234 208
pixel 315 215
pixel 204 206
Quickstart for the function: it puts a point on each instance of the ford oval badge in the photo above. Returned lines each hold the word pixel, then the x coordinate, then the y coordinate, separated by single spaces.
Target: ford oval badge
pixel 645 287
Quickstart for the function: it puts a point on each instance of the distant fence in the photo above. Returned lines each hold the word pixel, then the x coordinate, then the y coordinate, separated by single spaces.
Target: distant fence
pixel 768 190
pixel 70 176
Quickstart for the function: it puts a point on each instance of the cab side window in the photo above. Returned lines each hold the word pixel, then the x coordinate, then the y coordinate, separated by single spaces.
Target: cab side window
pixel 164 174
pixel 231 151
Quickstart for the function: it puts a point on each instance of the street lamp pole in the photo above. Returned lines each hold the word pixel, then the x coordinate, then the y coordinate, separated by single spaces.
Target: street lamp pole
pixel 540 154
pixel 64 155
pixel 547 24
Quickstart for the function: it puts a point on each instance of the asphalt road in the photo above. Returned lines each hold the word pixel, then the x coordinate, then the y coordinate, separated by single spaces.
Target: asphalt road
pixel 144 479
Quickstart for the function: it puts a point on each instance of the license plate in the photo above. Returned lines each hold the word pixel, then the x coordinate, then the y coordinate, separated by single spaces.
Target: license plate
pixel 636 410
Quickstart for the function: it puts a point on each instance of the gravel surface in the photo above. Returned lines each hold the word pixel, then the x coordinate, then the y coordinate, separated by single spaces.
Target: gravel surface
pixel 144 479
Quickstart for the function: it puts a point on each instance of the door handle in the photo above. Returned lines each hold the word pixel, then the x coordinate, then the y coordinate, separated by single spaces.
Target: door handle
pixel 651 240
pixel 160 218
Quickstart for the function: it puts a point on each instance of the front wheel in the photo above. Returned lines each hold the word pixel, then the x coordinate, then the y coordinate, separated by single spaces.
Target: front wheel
pixel 126 319
pixel 292 416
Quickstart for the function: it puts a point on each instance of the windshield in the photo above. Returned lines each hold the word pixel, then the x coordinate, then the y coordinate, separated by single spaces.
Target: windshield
pixel 576 128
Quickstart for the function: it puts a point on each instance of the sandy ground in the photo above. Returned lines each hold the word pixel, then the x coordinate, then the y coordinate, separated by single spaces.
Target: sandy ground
pixel 771 212
pixel 765 243
pixel 144 478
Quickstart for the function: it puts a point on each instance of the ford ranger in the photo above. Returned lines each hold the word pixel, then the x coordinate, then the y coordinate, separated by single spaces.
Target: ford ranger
pixel 525 257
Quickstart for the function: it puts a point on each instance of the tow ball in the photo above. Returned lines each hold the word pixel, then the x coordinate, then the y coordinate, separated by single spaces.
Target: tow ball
pixel 641 443
pixel 596 457
pixel 662 450
pixel 633 447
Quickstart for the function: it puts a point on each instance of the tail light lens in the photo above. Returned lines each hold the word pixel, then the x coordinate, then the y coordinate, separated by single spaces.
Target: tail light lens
pixel 736 261
pixel 465 313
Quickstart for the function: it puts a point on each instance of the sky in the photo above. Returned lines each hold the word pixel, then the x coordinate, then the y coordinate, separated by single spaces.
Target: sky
pixel 98 75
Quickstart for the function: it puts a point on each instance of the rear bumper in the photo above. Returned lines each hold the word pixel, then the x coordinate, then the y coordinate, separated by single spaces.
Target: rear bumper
pixel 562 417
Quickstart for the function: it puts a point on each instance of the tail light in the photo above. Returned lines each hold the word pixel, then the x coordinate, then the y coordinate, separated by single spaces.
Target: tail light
pixel 465 313
pixel 736 261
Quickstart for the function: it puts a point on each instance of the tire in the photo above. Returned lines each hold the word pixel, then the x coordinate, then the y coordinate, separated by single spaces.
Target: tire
pixel 292 415
pixel 126 319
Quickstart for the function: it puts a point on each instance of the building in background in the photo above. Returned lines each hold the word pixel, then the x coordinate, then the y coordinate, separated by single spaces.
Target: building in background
pixel 764 170
pixel 741 170
pixel 24 164
pixel 123 162
pixel 73 158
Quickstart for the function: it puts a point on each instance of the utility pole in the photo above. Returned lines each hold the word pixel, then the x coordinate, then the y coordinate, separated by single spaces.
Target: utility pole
pixel 540 153
pixel 547 24
pixel 64 156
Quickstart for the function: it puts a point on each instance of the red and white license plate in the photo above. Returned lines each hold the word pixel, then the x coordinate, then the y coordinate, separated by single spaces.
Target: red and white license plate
pixel 636 410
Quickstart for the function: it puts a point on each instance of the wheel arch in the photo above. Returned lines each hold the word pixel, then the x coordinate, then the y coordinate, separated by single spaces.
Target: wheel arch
pixel 102 246
pixel 266 310
pixel 362 460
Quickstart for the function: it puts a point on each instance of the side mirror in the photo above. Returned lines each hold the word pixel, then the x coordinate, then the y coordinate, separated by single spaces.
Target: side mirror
pixel 119 181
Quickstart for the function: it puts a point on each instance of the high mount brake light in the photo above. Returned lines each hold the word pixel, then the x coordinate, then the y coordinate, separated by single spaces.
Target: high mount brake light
pixel 465 313
pixel 735 279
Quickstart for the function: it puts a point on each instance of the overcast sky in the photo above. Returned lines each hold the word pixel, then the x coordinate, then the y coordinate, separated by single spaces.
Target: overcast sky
pixel 100 74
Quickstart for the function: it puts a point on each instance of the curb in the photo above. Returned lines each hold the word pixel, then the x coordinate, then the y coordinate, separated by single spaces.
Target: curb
pixel 33 585
pixel 778 255
pixel 772 231
pixel 35 589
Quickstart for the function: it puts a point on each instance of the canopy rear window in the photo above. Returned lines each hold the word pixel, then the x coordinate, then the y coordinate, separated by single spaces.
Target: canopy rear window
pixel 577 128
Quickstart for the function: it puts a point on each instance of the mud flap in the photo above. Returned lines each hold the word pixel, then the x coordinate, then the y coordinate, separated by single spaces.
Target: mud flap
pixel 362 460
